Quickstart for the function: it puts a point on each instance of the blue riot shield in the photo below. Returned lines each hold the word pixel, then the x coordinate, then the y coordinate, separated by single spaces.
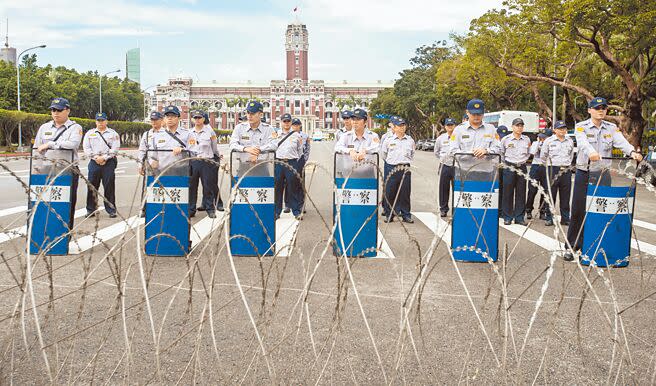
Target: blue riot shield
pixel 355 206
pixel 51 180
pixel 167 203
pixel 609 214
pixel 252 207
pixel 475 203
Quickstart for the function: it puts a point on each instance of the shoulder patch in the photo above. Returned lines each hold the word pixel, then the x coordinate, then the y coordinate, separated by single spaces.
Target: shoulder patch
pixel 452 137
pixel 580 129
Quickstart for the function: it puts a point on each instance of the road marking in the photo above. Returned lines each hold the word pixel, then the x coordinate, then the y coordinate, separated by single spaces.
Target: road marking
pixel 14 210
pixel 644 224
pixel 384 250
pixel 203 228
pixel 286 227
pixel 436 225
pixel 22 231
pixel 14 171
pixel 105 234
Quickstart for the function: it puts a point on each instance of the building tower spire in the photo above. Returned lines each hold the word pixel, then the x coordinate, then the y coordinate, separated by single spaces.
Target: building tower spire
pixel 296 45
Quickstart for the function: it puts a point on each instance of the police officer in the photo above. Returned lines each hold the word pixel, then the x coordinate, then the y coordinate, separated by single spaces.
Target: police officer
pixel 398 151
pixel 359 141
pixel 149 141
pixel 537 172
pixel 253 136
pixel 474 136
pixel 595 138
pixel 176 139
pixel 446 165
pixel 346 117
pixel 58 134
pixel 289 153
pixel 515 152
pixel 101 146
pixel 502 131
pixel 387 167
pixel 557 153
pixel 203 145
pixel 305 138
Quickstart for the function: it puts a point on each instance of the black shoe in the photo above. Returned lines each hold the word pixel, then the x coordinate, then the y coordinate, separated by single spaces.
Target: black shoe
pixel 549 223
pixel 409 220
pixel 304 211
pixel 529 216
pixel 384 214
pixel 211 215
pixel 520 222
pixel 444 214
pixel 389 219
pixel 220 208
pixel 192 214
pixel 90 214
pixel 287 210
pixel 568 256
pixel 564 222
pixel 112 215
pixel 200 209
pixel 543 216
pixel 507 222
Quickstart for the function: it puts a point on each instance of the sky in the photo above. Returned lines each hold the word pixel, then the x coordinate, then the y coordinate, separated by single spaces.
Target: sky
pixel 235 41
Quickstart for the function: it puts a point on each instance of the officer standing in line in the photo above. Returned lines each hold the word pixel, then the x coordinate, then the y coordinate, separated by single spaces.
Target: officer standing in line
pixel 149 141
pixel 537 172
pixel 557 153
pixel 253 137
pixel 174 138
pixel 305 138
pixel 502 131
pixel 346 117
pixel 202 144
pixel 360 141
pixel 58 134
pixel 474 136
pixel 446 165
pixel 101 146
pixel 285 123
pixel 386 166
pixel 289 152
pixel 218 202
pixel 515 151
pixel 398 151
pixel 595 138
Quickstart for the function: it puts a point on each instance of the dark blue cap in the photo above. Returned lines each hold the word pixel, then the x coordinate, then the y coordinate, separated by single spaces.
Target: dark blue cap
pixel 296 121
pixel 254 107
pixel 502 130
pixel 449 121
pixel 359 114
pixel 197 113
pixel 101 117
pixel 286 117
pixel 155 115
pixel 397 121
pixel 172 110
pixel 597 101
pixel 542 136
pixel 476 106
pixel 347 114
pixel 59 103
pixel 560 125
pixel 548 132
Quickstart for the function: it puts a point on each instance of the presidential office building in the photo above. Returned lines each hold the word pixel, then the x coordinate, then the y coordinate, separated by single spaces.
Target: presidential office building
pixel 315 102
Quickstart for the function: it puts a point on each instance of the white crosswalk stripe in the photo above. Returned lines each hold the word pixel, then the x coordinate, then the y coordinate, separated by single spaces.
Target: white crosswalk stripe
pixel 204 228
pixel 103 235
pixel 435 224
pixel 21 231
pixel 14 210
pixel 286 227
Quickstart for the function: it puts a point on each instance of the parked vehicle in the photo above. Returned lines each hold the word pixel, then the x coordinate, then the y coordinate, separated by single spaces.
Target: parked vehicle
pixel 505 118
pixel 429 145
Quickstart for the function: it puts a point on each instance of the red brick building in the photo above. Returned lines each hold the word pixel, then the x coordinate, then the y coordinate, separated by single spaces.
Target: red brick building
pixel 316 102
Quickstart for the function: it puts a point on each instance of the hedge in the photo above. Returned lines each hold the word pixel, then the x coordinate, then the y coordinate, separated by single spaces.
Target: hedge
pixel 130 131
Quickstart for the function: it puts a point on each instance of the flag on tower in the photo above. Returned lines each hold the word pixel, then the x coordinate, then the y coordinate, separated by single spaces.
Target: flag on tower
pixel 295 8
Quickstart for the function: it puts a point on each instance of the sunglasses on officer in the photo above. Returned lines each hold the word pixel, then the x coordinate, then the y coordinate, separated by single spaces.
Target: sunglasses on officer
pixel 286 120
pixel 57 110
pixel 600 107
pixel 199 117
pixel 346 119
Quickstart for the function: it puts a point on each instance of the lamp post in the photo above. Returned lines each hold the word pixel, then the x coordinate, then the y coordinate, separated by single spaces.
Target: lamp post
pixel 18 100
pixel 100 88
pixel 147 107
pixel 575 98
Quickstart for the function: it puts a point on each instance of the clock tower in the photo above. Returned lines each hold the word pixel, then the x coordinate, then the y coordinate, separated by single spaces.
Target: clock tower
pixel 296 45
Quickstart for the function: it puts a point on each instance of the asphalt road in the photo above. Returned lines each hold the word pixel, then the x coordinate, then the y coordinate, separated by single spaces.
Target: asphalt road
pixel 413 315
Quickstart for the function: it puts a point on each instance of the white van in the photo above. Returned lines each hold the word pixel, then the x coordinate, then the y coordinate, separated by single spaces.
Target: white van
pixel 505 118
pixel 317 135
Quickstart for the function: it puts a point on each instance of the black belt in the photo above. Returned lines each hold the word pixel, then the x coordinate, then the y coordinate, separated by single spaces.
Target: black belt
pixel 516 165
pixel 400 165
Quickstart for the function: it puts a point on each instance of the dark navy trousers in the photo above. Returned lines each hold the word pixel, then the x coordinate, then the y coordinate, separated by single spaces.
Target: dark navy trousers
pixel 97 174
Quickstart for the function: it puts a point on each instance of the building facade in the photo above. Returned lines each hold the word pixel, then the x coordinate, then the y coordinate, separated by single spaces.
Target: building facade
pixel 316 103
pixel 133 65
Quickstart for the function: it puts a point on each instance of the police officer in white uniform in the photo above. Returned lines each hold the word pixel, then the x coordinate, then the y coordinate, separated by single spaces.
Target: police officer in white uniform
pixel 252 137
pixel 101 146
pixel 556 155
pixel 446 165
pixel 58 134
pixel 398 151
pixel 176 139
pixel 203 145
pixel 359 141
pixel 537 172
pixel 305 138
pixel 289 152
pixel 595 138
pixel 515 151
pixel 346 117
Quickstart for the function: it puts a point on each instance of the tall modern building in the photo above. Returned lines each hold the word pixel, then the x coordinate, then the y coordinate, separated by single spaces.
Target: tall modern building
pixel 316 103
pixel 133 65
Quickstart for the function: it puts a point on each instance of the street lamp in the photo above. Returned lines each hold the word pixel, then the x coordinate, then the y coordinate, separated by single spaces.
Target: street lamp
pixel 100 88
pixel 575 98
pixel 147 107
pixel 20 126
